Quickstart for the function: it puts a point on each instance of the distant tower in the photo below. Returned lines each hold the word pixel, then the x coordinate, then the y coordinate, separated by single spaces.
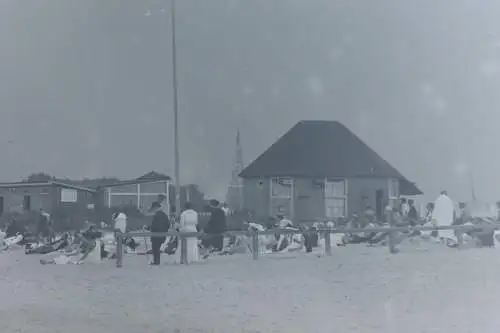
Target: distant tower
pixel 234 198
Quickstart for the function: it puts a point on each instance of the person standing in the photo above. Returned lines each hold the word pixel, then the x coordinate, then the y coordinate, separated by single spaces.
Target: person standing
pixel 216 226
pixel 160 223
pixel 225 208
pixel 412 212
pixel 443 214
pixel 188 223
pixel 405 207
pixel 120 222
pixel 43 228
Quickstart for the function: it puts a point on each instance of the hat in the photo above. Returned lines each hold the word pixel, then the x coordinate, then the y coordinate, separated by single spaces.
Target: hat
pixel 155 205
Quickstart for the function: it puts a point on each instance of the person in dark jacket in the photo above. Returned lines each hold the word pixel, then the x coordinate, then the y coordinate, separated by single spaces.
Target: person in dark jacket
pixel 216 226
pixel 412 212
pixel 43 227
pixel 14 228
pixel 160 223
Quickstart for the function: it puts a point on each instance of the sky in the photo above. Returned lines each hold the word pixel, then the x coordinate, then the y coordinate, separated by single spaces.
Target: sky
pixel 86 86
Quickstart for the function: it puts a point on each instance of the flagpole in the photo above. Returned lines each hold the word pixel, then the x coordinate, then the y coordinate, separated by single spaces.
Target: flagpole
pixel 176 112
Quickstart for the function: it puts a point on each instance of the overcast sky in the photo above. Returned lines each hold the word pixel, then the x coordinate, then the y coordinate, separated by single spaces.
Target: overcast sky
pixel 85 86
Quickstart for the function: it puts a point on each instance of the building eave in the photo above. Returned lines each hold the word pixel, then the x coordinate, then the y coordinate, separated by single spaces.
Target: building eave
pixel 135 182
pixel 46 184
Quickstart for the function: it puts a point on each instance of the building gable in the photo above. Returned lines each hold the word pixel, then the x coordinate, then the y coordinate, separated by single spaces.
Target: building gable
pixel 320 149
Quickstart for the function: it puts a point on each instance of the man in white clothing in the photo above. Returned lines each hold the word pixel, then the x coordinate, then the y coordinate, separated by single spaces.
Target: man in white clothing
pixel 120 222
pixel 284 222
pixel 405 208
pixel 189 223
pixel 443 214
pixel 225 208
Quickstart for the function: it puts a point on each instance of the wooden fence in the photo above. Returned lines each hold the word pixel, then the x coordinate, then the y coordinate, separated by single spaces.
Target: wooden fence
pixel 391 231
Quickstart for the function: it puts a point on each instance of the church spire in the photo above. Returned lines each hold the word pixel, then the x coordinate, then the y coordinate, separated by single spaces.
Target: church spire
pixel 234 197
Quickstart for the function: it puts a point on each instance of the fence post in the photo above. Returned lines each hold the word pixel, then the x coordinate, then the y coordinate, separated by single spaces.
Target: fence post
pixel 184 259
pixel 255 245
pixel 392 234
pixel 328 242
pixel 460 238
pixel 119 250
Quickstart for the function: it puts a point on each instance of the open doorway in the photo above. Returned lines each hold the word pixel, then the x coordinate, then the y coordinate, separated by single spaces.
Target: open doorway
pixel 379 204
pixel 27 203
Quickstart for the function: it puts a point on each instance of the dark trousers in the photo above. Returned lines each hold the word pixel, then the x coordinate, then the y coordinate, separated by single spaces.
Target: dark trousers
pixel 311 240
pixel 213 240
pixel 155 248
pixel 218 242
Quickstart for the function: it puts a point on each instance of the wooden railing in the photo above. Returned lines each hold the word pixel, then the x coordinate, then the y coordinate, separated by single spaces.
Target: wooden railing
pixel 391 231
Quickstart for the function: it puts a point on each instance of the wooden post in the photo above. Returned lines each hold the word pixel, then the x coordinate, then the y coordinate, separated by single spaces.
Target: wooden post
pixel 460 238
pixel 255 245
pixel 392 234
pixel 139 196
pixel 119 250
pixel 328 242
pixel 184 258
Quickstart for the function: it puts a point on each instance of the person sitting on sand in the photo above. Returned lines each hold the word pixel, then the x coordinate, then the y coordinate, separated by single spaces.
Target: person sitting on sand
pixel 87 245
pixel 3 246
pixel 52 247
pixel 14 228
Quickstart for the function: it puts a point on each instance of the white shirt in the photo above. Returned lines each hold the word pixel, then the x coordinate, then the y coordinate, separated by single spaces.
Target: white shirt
pixel 443 211
pixel 405 209
pixel 284 223
pixel 121 222
pixel 189 220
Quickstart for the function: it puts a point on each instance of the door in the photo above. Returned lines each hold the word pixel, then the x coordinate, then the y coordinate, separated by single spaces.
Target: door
pixel 27 203
pixel 335 193
pixel 379 204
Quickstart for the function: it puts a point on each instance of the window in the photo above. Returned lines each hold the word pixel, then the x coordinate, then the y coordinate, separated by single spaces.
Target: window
pixel 27 203
pixel 281 206
pixel 335 193
pixel 44 191
pixel 335 189
pixel 281 196
pixel 281 187
pixel 69 195
pixel 336 208
pixel 1 205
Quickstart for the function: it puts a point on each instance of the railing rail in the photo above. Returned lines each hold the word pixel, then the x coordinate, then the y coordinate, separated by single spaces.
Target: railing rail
pixel 326 232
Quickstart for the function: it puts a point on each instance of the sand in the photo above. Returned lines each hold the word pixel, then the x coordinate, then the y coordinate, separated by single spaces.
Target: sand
pixel 358 289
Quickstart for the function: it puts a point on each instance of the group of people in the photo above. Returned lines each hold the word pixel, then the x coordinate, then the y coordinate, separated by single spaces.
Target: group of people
pixel 213 239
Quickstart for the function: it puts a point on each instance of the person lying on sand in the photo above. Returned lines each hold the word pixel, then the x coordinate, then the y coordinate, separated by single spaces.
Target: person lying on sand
pixel 52 247
pixel 87 245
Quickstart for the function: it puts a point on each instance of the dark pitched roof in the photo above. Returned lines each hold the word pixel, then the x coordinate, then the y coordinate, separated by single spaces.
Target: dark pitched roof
pixel 153 175
pixel 319 149
pixel 149 177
